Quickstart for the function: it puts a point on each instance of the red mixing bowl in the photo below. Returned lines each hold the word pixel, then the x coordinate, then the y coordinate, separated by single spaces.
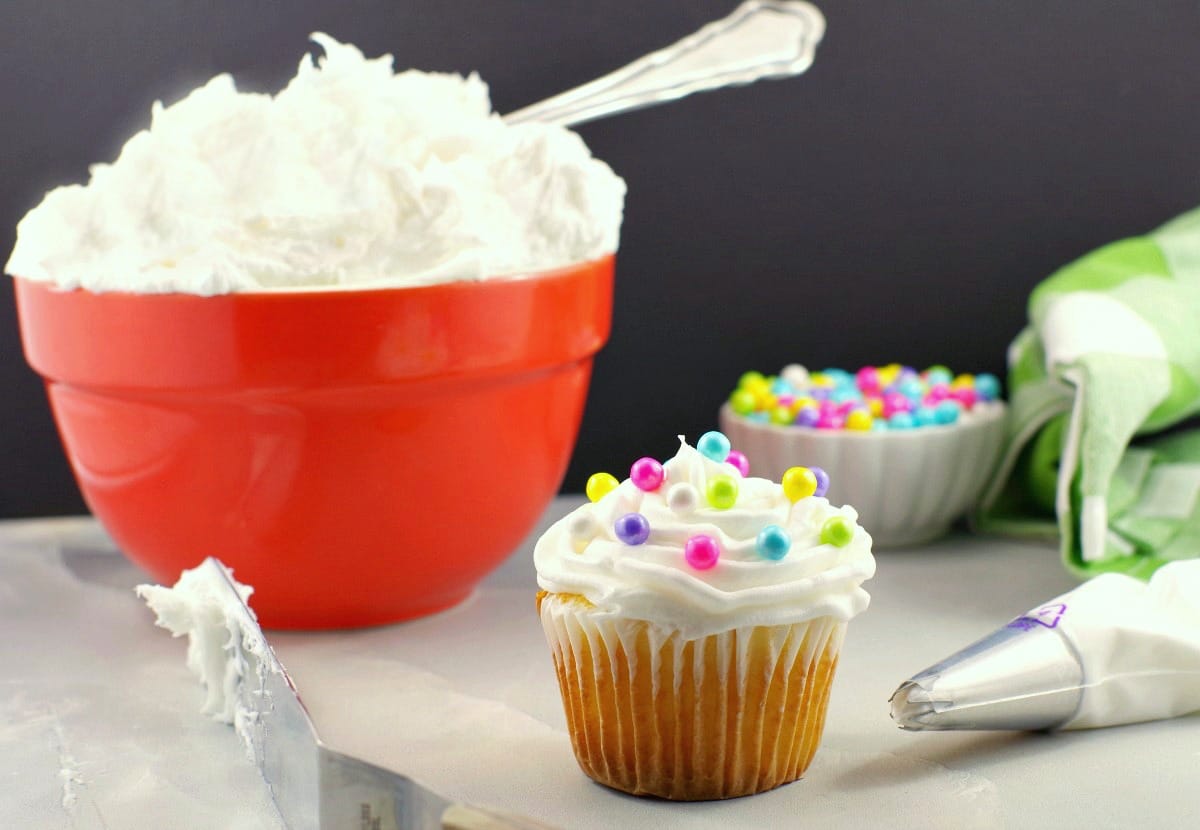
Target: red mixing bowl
pixel 358 456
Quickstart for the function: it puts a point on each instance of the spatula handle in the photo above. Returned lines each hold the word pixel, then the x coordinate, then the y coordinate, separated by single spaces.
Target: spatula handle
pixel 760 39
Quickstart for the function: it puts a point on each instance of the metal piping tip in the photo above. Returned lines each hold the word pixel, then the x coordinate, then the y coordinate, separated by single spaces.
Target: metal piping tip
pixel 912 707
pixel 1015 678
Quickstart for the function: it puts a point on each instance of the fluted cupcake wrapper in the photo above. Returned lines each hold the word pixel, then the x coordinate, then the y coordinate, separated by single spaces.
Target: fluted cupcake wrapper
pixel 653 713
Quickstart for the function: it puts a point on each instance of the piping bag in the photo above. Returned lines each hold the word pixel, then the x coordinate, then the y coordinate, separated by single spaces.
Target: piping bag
pixel 1115 650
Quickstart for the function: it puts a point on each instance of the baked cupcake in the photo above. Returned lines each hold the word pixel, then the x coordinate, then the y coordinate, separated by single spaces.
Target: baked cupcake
pixel 695 616
pixel 910 450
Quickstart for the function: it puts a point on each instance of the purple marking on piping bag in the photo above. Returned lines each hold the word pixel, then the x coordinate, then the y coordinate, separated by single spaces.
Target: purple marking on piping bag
pixel 1047 616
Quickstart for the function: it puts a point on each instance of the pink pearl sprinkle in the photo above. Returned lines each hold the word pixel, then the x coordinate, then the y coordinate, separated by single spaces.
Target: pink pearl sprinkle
pixel 845 407
pixel 895 402
pixel 646 474
pixel 830 421
pixel 740 461
pixel 965 396
pixel 785 400
pixel 938 392
pixel 868 379
pixel 701 551
pixel 826 407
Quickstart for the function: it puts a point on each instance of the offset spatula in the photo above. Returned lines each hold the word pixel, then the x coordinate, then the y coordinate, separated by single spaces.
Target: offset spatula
pixel 313 786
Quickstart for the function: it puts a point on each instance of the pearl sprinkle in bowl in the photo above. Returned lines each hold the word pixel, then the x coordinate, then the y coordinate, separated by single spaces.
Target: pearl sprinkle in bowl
pixel 908 485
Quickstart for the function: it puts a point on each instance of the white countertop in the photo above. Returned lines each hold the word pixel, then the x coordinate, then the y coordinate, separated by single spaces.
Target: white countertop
pixel 99 723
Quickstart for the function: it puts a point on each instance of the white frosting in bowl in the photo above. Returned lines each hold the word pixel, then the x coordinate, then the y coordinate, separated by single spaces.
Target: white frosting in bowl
pixel 351 176
pixel 581 554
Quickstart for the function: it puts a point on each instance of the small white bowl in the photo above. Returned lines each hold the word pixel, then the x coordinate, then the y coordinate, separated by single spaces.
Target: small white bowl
pixel 908 486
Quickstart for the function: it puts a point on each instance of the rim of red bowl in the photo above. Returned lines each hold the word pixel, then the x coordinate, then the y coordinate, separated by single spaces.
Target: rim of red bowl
pixel 317 338
pixel 380 285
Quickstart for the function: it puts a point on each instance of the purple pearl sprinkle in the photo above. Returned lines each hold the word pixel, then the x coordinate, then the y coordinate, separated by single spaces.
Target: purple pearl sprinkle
pixel 632 528
pixel 807 417
pixel 822 481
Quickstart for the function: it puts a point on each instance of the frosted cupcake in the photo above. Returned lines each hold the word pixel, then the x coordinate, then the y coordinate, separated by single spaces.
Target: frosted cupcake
pixel 695 616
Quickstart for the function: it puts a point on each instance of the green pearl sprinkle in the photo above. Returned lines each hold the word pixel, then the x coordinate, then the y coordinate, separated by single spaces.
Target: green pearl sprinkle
pixel 722 492
pixel 837 531
pixel 749 379
pixel 781 415
pixel 743 401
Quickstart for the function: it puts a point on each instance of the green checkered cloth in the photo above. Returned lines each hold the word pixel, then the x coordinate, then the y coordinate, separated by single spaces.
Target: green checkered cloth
pixel 1111 354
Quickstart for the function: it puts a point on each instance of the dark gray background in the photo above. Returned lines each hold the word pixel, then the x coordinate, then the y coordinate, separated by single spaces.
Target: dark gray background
pixel 896 203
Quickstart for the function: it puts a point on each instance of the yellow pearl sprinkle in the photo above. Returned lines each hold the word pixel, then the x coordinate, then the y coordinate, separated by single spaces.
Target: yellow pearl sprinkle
pixel 859 419
pixel 600 485
pixel 758 385
pixel 876 406
pixel 962 381
pixel 799 483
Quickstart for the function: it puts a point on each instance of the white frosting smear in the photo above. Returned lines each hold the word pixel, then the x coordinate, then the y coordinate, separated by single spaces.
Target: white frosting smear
pixel 352 175
pixel 200 608
pixel 653 581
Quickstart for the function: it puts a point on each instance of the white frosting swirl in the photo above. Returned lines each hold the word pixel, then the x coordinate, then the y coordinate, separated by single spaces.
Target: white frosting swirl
pixel 351 176
pixel 653 581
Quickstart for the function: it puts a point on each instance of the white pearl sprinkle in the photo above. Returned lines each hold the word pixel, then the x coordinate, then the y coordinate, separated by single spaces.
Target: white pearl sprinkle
pixel 795 375
pixel 582 528
pixel 683 498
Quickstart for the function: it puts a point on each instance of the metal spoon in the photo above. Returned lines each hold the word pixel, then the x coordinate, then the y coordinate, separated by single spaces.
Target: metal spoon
pixel 760 39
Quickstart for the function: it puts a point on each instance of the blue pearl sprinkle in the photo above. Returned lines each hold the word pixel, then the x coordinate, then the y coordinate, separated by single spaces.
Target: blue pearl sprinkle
pixel 945 412
pixel 713 445
pixel 773 542
pixel 912 389
pixel 840 377
pixel 901 420
pixel 923 417
pixel 938 374
pixel 987 387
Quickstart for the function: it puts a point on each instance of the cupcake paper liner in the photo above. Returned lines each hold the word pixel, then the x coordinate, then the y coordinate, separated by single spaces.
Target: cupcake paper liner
pixel 653 713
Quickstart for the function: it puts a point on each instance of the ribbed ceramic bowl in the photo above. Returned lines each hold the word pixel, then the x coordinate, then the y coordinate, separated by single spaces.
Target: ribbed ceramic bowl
pixel 907 486
pixel 359 456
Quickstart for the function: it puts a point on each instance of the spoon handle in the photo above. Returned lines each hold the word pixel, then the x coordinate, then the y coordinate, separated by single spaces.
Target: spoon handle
pixel 760 39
